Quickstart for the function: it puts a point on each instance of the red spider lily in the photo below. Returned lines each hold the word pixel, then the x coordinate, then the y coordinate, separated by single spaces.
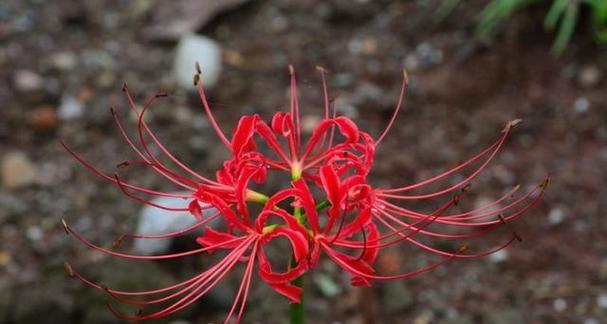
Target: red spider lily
pixel 350 220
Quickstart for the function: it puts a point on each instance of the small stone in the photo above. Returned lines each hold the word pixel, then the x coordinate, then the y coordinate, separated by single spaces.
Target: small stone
pixel 601 300
pixel 369 46
pixel 27 81
pixel 44 118
pixel 63 61
pixel 309 123
pixel 279 23
pixel 327 285
pixel 343 80
pixel 559 305
pixel 233 58
pixel 70 108
pixel 424 318
pixel 34 233
pixel 589 76
pixel 480 203
pixel 17 170
pixel 581 105
pixel 194 48
pixel 5 258
pixel 411 62
pixel 106 79
pixel 355 46
pixel 183 115
pixel 499 256
pixel 556 216
pixel 428 55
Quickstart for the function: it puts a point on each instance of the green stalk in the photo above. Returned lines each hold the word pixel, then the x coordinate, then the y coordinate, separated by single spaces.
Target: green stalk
pixel 296 311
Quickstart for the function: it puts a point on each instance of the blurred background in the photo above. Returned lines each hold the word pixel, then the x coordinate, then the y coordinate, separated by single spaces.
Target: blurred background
pixel 473 65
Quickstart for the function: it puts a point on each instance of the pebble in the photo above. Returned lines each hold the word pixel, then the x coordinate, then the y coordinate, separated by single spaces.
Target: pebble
pixel 327 285
pixel 34 233
pixel 234 58
pixel 70 108
pixel 5 258
pixel 589 76
pixel 27 81
pixel 309 123
pixel 428 55
pixel 343 80
pixel 411 62
pixel 355 46
pixel 556 216
pixel 581 105
pixel 154 221
pixel 481 202
pixel 44 118
pixel 194 48
pixel 499 256
pixel 17 170
pixel 559 305
pixel 63 61
pixel 601 300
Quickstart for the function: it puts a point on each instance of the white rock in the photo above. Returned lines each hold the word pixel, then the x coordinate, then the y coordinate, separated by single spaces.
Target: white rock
pixel 589 76
pixel 581 105
pixel 17 170
pixel 195 48
pixel 34 233
pixel 499 256
pixel 64 61
pixel 556 216
pixel 26 81
pixel 155 221
pixel 70 108
pixel 559 304
pixel 601 300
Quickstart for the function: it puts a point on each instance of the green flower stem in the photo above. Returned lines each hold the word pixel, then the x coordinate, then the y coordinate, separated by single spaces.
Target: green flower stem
pixel 296 311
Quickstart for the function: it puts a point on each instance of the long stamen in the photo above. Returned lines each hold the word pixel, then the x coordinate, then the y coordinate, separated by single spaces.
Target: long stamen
pixel 146 257
pixel 401 97
pixel 207 108
pixel 494 148
pixel 111 179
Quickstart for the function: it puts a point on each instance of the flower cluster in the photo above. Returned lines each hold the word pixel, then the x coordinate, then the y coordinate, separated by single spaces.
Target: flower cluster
pixel 328 207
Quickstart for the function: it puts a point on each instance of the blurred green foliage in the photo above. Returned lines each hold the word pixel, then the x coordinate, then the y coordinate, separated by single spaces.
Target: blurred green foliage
pixel 562 17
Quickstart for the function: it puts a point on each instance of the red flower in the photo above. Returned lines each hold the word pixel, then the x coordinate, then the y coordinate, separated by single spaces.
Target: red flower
pixel 329 207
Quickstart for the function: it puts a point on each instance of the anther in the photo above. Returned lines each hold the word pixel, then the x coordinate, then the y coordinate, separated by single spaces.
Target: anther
pixel 462 248
pixel 512 124
pixel 196 79
pixel 516 236
pixel 291 69
pixel 544 184
pixel 124 87
pixel 123 165
pixel 116 244
pixel 197 65
pixel 68 268
pixel 65 228
pixel 406 76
